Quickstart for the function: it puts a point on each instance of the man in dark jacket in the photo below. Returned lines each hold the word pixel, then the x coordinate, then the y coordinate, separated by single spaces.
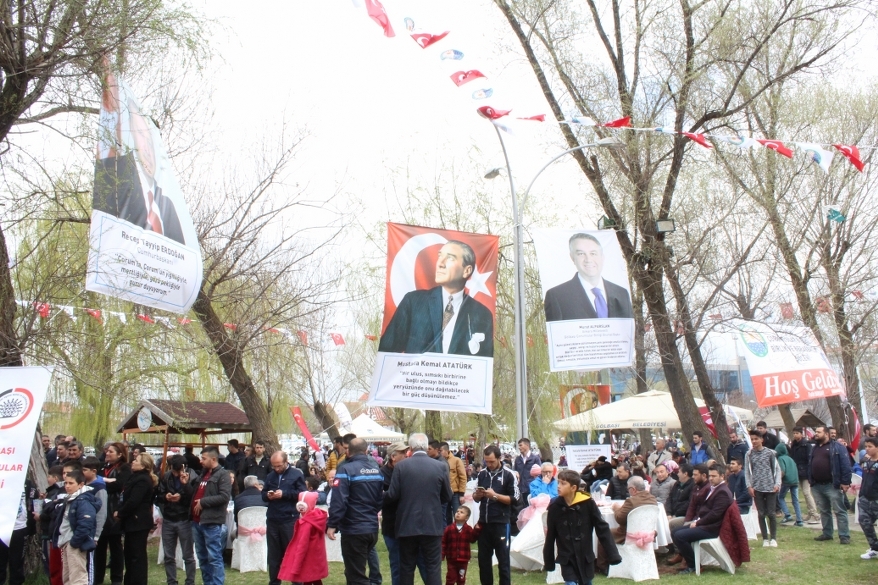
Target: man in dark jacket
pixel 209 504
pixel 707 518
pixel 769 440
pixel 800 451
pixel 571 521
pixel 422 488
pixel 174 498
pixel 497 493
pixel 235 458
pixel 522 464
pixel 395 453
pixel 357 495
pixel 737 447
pixel 23 526
pixel 829 471
pixel 256 464
pixel 251 496
pixel 618 486
pixel 678 502
pixel 738 485
pixel 281 490
pixel 868 501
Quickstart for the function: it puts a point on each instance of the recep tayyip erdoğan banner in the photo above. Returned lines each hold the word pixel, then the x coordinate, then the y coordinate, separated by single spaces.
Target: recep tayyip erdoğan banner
pixel 786 364
pixel 437 344
pixel 143 246
pixel 22 393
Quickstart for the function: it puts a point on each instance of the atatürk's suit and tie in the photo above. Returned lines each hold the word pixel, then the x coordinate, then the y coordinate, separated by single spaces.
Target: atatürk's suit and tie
pixel 569 301
pixel 117 191
pixel 416 326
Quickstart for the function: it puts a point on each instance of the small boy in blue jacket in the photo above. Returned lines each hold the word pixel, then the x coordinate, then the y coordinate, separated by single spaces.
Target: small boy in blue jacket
pixel 75 527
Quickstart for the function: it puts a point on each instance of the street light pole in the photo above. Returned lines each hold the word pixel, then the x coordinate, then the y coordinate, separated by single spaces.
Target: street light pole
pixel 521 410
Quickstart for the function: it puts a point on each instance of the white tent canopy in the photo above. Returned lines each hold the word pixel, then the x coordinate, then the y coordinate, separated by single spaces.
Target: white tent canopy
pixel 650 410
pixel 366 428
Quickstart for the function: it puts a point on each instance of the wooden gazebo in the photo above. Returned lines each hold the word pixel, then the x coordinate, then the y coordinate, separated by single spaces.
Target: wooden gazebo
pixel 175 417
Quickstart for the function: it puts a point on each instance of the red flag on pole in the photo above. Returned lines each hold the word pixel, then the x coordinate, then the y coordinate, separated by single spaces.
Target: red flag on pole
pixel 297 414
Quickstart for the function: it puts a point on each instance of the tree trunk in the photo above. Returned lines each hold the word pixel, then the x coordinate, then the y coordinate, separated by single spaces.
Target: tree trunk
pixel 326 420
pixel 231 358
pixel 787 415
pixel 10 352
pixel 433 424
pixel 717 412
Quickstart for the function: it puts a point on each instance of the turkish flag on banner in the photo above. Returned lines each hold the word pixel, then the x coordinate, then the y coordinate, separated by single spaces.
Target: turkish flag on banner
pixel 412 257
pixel 852 153
pixel 297 414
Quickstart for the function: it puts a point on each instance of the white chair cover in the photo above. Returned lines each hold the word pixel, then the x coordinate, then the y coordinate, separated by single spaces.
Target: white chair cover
pixel 712 552
pixel 526 551
pixel 856 482
pixel 333 547
pixel 638 563
pixel 250 552
pixel 751 523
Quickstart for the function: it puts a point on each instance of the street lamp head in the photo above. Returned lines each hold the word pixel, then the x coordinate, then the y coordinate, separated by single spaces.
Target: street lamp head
pixel 610 142
pixel 494 173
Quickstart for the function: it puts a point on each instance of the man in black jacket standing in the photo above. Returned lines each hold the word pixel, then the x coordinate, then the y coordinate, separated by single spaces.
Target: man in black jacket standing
pixel 357 495
pixel 421 486
pixel 235 458
pixel 209 504
pixel 174 497
pixel 800 451
pixel 497 493
pixel 281 490
pixel 256 464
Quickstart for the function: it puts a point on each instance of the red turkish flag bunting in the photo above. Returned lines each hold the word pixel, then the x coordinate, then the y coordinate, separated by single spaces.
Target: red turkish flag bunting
pixel 699 138
pixel 183 320
pixel 96 313
pixel 492 114
pixel 823 305
pixel 461 77
pixel 537 118
pixel 777 146
pixel 786 310
pixel 42 309
pixel 858 294
pixel 620 123
pixel 231 326
pixel 716 316
pixel 379 15
pixel 303 336
pixel 371 337
pixel 530 341
pixel 146 319
pixel 337 338
pixel 852 153
pixel 427 39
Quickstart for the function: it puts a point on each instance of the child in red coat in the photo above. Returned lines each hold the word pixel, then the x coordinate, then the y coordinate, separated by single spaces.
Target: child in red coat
pixel 305 557
pixel 456 542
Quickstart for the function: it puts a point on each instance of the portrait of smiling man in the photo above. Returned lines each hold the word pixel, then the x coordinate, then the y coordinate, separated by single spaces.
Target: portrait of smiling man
pixel 443 319
pixel 587 295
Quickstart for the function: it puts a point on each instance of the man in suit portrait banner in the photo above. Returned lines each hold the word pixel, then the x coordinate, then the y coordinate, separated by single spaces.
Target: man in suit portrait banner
pixel 143 246
pixel 589 318
pixel 437 343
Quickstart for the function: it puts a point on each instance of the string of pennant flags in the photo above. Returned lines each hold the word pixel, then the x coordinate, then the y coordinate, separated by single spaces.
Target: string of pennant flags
pixel 45 311
pixel 477 86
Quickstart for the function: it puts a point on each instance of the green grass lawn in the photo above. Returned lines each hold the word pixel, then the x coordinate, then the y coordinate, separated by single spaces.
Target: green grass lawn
pixel 798 560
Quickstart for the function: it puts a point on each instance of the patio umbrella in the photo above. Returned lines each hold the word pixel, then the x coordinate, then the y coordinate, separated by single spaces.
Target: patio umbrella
pixel 651 410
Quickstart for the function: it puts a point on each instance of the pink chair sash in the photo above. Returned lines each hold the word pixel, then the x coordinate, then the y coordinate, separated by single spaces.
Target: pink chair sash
pixel 641 539
pixel 536 507
pixel 256 533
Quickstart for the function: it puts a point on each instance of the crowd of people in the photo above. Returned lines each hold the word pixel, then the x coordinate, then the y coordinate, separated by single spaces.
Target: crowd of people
pixel 99 510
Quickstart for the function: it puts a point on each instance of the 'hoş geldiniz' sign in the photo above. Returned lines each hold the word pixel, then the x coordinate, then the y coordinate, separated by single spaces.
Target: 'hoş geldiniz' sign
pixel 786 364
pixel 143 246
pixel 22 393
pixel 437 343
pixel 589 319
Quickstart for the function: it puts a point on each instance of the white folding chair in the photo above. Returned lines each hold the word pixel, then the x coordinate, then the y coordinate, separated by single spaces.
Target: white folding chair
pixel 751 523
pixel 250 551
pixel 638 563
pixel 712 551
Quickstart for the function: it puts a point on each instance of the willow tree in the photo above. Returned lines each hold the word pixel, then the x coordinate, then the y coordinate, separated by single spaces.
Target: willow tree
pixel 673 64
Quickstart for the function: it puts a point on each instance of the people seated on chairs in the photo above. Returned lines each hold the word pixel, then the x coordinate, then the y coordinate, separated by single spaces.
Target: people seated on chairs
pixel 251 496
pixel 678 500
pixel 662 483
pixel 738 485
pixel 683 501
pixel 618 486
pixel 704 519
pixel 638 496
